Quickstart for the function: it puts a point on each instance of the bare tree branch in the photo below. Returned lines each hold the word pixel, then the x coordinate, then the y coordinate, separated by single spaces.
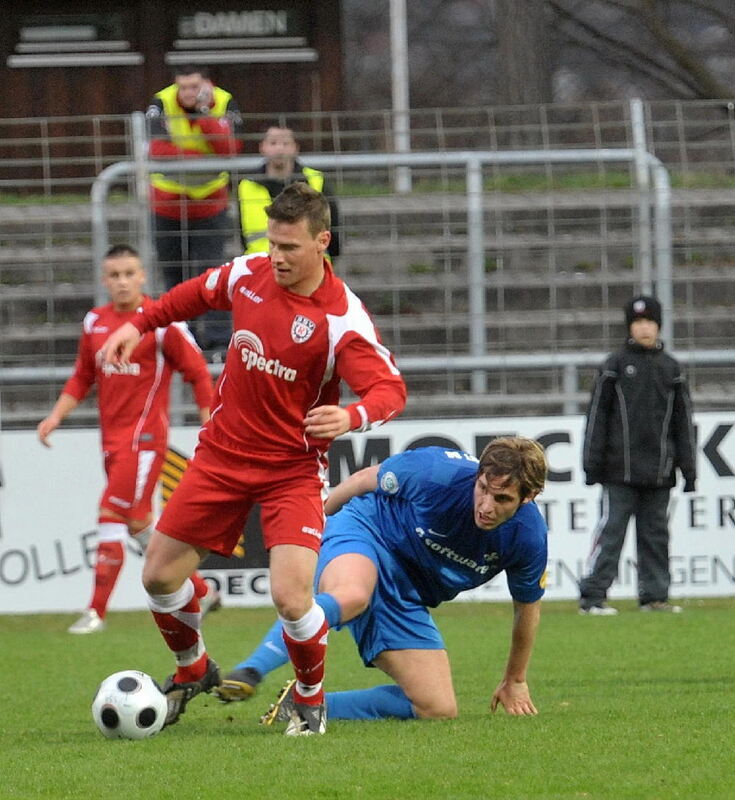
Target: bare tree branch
pixel 661 78
pixel 710 87
pixel 626 53
pixel 727 20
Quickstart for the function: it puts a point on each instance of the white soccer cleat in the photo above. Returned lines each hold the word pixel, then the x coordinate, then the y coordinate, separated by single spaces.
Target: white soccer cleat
pixel 307 720
pixel 661 607
pixel 302 719
pixel 598 610
pixel 89 622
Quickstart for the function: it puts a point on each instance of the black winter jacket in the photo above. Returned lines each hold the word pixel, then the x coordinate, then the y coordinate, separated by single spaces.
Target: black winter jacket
pixel 639 422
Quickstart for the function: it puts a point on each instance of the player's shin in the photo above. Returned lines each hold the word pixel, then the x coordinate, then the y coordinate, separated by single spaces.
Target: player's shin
pixel 110 560
pixel 178 618
pixel 306 642
pixel 379 702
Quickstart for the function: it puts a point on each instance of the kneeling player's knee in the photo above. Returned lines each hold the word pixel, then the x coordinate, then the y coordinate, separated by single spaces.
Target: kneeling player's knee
pixel 436 708
pixel 352 600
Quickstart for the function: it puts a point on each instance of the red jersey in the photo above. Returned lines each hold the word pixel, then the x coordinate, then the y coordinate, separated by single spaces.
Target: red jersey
pixel 287 355
pixel 133 401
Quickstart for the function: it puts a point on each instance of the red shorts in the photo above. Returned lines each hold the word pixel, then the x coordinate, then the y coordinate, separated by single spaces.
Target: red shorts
pixel 131 479
pixel 208 509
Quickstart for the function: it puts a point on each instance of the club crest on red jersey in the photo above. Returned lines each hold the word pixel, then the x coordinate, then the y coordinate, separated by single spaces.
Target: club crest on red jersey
pixel 302 328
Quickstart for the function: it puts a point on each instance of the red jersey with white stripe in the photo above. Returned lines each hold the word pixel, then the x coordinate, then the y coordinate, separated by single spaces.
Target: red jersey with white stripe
pixel 287 355
pixel 133 401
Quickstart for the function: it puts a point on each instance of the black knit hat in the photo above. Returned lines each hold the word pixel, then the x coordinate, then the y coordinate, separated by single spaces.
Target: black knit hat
pixel 643 307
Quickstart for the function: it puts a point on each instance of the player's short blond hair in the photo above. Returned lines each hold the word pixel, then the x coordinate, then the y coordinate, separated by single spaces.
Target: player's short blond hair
pixel 299 201
pixel 522 460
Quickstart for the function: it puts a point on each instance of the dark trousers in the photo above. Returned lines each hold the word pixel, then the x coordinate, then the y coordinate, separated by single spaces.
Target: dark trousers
pixel 185 248
pixel 649 507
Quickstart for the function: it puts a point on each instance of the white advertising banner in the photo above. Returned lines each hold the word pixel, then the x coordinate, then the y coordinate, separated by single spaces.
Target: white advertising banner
pixel 48 512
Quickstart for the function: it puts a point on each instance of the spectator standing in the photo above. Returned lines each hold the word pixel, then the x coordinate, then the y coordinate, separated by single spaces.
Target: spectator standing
pixel 280 168
pixel 639 431
pixel 298 331
pixel 133 409
pixel 190 119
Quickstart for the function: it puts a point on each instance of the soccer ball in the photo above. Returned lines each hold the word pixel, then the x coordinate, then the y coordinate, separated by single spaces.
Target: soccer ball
pixel 129 705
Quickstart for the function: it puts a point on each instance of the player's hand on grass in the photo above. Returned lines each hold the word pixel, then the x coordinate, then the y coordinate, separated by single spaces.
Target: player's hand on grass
pixel 327 422
pixel 120 345
pixel 514 697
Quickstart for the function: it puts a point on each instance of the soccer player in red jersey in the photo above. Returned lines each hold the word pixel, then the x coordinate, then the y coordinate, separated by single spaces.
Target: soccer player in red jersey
pixel 298 331
pixel 133 408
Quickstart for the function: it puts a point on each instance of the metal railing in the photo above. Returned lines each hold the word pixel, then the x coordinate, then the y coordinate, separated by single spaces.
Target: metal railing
pixel 571 398
pixel 547 266
pixel 473 163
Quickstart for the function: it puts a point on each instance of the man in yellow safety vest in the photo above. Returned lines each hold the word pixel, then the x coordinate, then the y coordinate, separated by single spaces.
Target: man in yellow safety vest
pixel 279 169
pixel 190 119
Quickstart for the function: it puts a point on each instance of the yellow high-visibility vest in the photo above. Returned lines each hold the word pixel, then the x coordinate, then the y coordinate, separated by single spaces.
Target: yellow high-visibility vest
pixel 254 197
pixel 187 135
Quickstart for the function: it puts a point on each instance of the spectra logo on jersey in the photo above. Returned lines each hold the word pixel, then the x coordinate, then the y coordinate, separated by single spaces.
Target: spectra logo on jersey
pixel 120 369
pixel 252 354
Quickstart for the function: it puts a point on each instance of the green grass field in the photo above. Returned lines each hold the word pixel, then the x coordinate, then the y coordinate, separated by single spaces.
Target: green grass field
pixel 633 706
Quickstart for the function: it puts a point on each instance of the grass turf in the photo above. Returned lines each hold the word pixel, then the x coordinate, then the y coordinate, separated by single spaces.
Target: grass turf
pixel 633 706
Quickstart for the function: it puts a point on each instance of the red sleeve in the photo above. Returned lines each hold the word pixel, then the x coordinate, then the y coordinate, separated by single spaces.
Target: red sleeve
pixel 369 370
pixel 187 300
pixel 219 133
pixel 162 148
pixel 185 356
pixel 84 373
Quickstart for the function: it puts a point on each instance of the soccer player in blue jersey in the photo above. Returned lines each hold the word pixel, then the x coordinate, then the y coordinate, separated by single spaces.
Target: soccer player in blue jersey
pixel 403 537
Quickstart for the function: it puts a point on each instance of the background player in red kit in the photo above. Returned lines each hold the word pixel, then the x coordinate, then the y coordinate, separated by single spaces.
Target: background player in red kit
pixel 298 330
pixel 133 408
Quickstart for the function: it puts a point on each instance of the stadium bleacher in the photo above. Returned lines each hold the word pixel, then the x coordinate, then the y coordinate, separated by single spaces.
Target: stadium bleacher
pixel 561 258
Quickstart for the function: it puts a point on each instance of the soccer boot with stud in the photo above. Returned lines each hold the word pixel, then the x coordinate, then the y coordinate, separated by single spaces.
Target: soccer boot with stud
pixel 303 719
pixel 240 684
pixel 89 622
pixel 280 710
pixel 307 720
pixel 179 694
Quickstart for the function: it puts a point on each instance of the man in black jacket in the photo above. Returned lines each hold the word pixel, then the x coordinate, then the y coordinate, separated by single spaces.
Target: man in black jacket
pixel 639 430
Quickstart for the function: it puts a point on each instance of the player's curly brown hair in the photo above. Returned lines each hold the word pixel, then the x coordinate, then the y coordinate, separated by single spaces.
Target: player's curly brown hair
pixel 522 460
pixel 299 201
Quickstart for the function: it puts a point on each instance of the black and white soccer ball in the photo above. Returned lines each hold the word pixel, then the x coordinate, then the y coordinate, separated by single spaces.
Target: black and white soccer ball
pixel 129 705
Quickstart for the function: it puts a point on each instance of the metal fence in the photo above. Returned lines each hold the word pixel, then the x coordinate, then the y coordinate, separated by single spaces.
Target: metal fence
pixel 562 245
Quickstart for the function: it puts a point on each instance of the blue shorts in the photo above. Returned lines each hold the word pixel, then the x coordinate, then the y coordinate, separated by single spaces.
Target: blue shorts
pixel 396 619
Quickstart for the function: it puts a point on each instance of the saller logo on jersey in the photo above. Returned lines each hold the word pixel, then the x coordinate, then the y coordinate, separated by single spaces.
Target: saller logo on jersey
pixel 253 356
pixel 212 279
pixel 302 328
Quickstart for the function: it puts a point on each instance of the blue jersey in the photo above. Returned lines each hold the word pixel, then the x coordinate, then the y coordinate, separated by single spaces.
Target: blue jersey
pixel 423 513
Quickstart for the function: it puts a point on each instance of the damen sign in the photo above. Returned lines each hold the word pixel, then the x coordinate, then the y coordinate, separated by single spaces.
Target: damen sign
pixel 49 498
